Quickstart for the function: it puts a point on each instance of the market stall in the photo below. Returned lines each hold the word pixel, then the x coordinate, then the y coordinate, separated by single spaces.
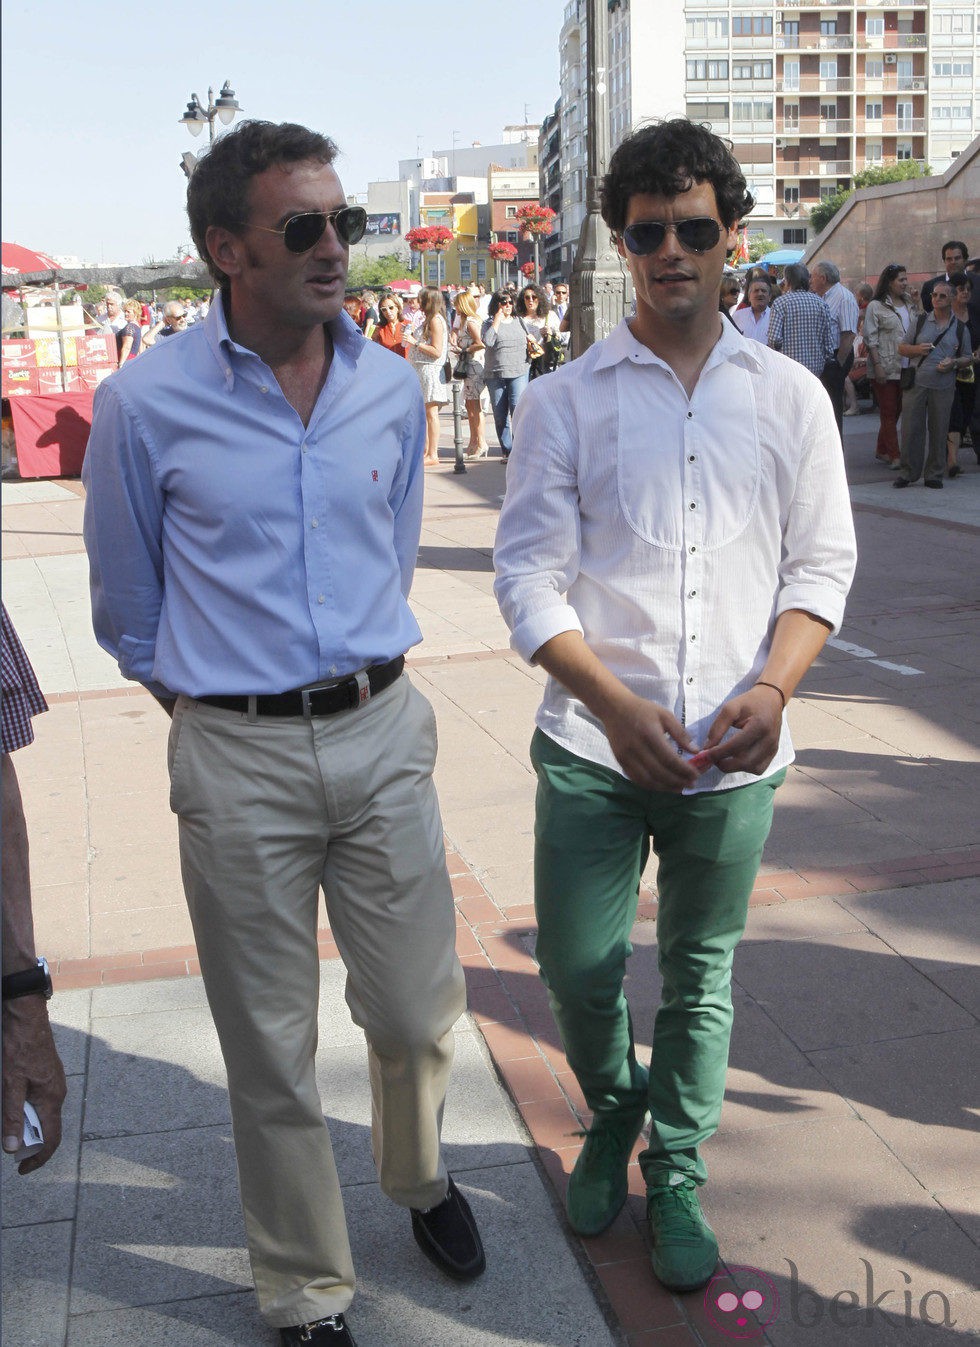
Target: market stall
pixel 54 356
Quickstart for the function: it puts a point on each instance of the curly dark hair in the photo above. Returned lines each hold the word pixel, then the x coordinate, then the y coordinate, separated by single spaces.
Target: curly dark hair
pixel 666 158
pixel 217 193
pixel 544 308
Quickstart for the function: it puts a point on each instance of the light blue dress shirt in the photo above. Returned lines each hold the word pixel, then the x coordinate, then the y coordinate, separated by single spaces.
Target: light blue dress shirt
pixel 231 549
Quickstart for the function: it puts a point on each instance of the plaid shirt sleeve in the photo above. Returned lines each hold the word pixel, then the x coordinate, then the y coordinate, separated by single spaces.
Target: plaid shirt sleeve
pixel 22 697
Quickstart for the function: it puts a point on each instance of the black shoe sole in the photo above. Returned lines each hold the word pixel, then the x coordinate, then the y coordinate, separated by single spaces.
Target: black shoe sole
pixel 460 1272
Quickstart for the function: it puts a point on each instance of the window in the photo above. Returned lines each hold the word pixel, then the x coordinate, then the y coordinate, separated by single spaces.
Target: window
pixel 791 28
pixel 752 70
pixel 873 152
pixel 828 27
pixel 874 26
pixel 791 74
pixel 828 112
pixel 791 196
pixel 828 68
pixel 432 272
pixel 874 68
pixel 481 269
pixel 707 70
pixel 903 116
pixel 827 190
pixel 708 112
pixel 956 22
pixel 510 212
pixel 794 236
pixel 872 111
pixel 903 149
pixel 948 69
pixel 791 115
pixel 751 110
pixel 465 269
pixel 704 30
pixel 751 25
pixel 947 113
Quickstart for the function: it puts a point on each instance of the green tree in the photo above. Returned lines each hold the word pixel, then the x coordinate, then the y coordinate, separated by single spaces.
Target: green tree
pixel 901 171
pixel 374 273
pixel 759 246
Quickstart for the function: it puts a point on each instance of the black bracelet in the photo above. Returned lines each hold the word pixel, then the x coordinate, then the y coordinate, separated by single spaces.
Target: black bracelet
pixel 782 695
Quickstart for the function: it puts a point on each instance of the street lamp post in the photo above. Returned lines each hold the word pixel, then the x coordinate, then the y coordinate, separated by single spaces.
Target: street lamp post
pixel 224 108
pixel 598 282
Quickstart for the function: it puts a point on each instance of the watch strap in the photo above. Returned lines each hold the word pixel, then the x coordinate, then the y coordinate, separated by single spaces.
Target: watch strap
pixel 35 981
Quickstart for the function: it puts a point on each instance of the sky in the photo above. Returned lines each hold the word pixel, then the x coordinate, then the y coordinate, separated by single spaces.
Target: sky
pixel 92 96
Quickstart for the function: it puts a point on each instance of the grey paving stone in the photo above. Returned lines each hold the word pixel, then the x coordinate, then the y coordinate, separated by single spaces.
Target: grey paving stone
pixel 532 1294
pixel 156 1071
pixel 36 1263
pixel 933 926
pixel 158 1220
pixel 70 1013
pixel 140 998
pixel 230 1320
pixel 794 982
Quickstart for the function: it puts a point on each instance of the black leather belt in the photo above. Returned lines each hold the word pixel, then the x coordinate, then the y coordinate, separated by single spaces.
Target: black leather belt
pixel 317 701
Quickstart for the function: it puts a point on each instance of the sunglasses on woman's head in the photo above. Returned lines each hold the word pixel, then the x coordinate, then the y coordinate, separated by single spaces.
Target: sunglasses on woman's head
pixel 699 235
pixel 300 233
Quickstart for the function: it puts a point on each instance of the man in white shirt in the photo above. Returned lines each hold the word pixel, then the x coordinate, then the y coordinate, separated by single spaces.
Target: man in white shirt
pixel 825 282
pixel 675 547
pixel 753 321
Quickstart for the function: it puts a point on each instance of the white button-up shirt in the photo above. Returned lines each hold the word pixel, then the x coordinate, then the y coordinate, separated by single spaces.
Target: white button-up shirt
pixel 671 531
pixel 757 329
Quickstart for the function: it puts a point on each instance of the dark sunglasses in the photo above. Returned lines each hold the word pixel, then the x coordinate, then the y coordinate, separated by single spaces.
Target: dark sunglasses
pixel 695 236
pixel 302 232
pixel 506 301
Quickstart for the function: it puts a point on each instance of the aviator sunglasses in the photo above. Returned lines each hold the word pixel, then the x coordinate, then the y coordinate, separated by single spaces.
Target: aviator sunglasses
pixel 695 236
pixel 302 232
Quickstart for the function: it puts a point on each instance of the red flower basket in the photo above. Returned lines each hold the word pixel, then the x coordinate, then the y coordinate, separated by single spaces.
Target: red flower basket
pixel 502 252
pixel 429 238
pixel 535 219
pixel 528 270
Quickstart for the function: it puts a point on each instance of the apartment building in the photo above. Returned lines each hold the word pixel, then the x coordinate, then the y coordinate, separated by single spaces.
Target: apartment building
pixel 808 93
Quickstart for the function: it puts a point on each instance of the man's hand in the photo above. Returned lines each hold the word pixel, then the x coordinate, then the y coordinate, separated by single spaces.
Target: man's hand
pixel 32 1070
pixel 756 717
pixel 644 737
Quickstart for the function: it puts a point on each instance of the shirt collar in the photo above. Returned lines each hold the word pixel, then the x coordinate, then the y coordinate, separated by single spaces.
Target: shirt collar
pixel 347 338
pixel 621 346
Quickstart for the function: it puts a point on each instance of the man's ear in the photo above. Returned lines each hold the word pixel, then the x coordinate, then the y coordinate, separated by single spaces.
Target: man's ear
pixel 226 249
pixel 620 245
pixel 732 243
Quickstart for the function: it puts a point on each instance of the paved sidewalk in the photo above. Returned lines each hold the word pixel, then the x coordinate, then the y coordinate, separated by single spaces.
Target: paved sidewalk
pixel 845 1149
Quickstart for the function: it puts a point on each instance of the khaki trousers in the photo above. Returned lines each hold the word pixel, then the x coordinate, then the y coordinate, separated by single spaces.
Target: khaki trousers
pixel 270 811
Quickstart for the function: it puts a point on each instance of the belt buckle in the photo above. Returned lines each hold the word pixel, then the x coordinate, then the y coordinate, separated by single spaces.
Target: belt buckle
pixel 363 687
pixel 304 697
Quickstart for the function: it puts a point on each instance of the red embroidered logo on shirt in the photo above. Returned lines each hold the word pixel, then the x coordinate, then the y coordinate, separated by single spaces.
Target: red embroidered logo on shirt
pixel 374 474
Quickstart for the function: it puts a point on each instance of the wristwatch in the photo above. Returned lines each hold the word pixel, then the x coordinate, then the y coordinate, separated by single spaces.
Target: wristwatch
pixel 35 981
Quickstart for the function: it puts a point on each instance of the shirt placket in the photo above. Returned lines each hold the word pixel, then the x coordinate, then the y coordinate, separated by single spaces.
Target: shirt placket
pixel 693 568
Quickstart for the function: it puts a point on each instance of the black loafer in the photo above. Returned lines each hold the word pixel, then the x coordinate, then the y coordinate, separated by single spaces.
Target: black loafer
pixel 934 484
pixel 448 1236
pixel 329 1332
pixel 900 482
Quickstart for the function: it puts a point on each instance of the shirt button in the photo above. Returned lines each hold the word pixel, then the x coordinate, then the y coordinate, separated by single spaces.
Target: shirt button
pixel 314 523
pixel 692 506
pixel 263 388
pixel 690 415
pixel 692 458
pixel 693 638
pixel 332 669
pixel 306 449
pixel 690 680
pixel 692 549
pixel 692 594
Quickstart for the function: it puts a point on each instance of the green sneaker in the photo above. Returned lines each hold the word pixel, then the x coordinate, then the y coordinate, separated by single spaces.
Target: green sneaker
pixel 685 1250
pixel 598 1185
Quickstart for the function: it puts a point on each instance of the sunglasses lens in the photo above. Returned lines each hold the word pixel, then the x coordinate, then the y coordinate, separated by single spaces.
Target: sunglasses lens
pixel 350 224
pixel 698 236
pixel 302 232
pixel 644 237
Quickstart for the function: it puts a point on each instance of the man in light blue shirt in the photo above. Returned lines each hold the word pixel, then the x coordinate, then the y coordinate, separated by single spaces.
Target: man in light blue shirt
pixel 254 497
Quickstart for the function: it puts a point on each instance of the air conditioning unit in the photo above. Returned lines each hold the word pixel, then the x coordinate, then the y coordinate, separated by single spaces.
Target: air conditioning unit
pixel 918 84
pixel 891 59
pixel 780 144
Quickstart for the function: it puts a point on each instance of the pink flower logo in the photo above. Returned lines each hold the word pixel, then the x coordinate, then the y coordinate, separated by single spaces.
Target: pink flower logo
pixel 741 1310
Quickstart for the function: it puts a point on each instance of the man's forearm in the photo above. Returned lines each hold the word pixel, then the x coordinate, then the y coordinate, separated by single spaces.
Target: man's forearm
pixel 574 664
pixel 19 951
pixel 845 347
pixel 797 640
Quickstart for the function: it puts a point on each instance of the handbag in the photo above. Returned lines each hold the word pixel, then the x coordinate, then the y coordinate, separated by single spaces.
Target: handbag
pixel 907 378
pixel 464 366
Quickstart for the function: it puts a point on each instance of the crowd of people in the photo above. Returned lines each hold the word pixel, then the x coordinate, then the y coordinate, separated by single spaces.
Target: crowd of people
pixel 914 354
pixel 136 325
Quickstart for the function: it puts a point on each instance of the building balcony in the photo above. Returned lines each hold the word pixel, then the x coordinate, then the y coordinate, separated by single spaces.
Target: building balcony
pixel 792 210
pixel 754 42
pixel 813 84
pixel 891 126
pixel 893 42
pixel 818 126
pixel 814 168
pixel 862 4
pixel 816 42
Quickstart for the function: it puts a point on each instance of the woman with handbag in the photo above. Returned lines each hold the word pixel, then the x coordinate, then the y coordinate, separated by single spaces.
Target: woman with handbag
pixel 469 343
pixel 428 349
pixel 507 363
pixel 540 326
pixel 886 320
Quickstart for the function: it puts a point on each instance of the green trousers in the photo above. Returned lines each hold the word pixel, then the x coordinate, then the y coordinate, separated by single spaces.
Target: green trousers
pixel 593 833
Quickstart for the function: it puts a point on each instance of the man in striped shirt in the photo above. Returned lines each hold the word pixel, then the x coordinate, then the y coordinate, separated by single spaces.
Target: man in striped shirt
pixel 800 324
pixel 674 548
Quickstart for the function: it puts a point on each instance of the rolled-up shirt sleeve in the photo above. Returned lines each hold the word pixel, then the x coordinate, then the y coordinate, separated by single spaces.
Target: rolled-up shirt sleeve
pixel 538 544
pixel 405 497
pixel 819 549
pixel 123 537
